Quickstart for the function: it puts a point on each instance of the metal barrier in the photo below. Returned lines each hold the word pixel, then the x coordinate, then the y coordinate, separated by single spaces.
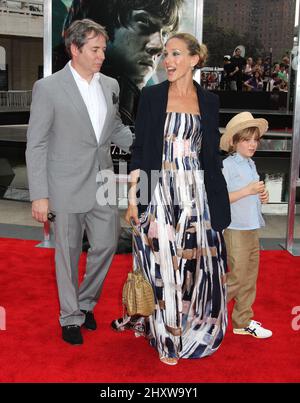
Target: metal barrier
pixel 47 242
pixel 15 99
pixel 24 7
pixel 291 245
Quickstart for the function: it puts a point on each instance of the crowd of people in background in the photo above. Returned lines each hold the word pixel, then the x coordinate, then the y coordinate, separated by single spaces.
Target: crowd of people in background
pixel 241 74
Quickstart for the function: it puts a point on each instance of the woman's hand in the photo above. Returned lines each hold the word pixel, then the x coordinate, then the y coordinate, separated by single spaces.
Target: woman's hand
pixel 132 214
pixel 132 210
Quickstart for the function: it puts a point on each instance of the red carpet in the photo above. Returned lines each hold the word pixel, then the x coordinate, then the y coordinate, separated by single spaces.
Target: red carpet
pixel 32 349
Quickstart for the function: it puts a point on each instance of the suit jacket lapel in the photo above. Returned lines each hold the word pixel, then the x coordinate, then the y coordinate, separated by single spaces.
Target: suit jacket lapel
pixel 208 124
pixel 160 109
pixel 75 98
pixel 108 98
pixel 202 104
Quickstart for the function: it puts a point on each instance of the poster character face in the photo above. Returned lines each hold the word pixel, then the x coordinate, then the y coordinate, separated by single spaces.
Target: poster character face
pixel 137 31
pixel 136 48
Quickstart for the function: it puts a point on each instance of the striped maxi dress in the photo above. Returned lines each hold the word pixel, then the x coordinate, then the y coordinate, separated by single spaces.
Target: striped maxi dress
pixel 182 256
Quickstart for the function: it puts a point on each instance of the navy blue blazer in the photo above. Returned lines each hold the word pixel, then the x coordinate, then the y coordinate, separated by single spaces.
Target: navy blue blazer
pixel 147 149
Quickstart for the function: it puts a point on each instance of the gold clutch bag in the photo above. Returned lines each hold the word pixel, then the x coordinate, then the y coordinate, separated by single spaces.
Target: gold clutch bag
pixel 137 295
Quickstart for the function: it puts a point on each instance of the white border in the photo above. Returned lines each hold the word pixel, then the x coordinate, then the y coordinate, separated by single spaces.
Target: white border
pixel 47 38
pixel 198 19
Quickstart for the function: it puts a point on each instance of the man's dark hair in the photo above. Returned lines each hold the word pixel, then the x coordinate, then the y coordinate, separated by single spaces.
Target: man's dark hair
pixel 115 13
pixel 78 32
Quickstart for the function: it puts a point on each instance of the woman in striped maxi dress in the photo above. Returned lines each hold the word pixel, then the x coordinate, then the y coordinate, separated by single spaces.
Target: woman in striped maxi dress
pixel 182 255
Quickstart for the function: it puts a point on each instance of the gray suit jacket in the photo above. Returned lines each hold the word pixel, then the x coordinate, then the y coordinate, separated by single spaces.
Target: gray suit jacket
pixel 62 155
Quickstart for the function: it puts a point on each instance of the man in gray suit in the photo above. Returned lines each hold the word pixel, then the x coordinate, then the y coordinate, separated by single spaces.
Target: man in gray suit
pixel 73 121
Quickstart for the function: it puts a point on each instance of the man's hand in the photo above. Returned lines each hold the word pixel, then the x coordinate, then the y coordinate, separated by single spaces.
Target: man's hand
pixel 40 209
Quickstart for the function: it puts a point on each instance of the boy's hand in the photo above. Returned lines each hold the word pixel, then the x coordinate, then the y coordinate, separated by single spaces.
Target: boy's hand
pixel 264 197
pixel 256 187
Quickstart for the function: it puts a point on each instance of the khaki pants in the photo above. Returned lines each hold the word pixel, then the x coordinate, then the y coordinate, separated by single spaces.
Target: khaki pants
pixel 243 261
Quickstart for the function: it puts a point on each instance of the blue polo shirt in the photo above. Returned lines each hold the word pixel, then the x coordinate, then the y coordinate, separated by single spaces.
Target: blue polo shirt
pixel 246 212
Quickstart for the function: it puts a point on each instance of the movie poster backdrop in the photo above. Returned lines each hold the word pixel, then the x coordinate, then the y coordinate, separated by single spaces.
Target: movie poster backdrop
pixel 137 31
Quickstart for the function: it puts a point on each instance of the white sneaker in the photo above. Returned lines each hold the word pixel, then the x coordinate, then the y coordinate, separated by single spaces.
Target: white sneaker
pixel 254 329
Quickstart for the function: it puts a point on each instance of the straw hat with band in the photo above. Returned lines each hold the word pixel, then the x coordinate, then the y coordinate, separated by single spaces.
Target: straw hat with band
pixel 239 122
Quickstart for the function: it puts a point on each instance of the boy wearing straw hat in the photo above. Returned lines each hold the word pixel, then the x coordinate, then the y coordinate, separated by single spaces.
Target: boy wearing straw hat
pixel 246 193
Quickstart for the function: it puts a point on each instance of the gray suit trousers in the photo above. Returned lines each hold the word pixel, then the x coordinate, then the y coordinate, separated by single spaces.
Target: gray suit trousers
pixel 102 226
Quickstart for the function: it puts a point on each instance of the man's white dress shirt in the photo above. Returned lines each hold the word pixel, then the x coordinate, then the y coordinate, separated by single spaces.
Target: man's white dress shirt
pixel 93 98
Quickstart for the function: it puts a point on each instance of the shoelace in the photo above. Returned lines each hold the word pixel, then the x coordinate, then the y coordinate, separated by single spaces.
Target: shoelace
pixel 257 323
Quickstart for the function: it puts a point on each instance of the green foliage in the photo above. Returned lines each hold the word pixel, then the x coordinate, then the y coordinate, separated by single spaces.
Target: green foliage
pixel 222 42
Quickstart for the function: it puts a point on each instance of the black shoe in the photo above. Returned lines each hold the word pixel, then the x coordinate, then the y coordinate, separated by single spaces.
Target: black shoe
pixel 90 322
pixel 72 334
